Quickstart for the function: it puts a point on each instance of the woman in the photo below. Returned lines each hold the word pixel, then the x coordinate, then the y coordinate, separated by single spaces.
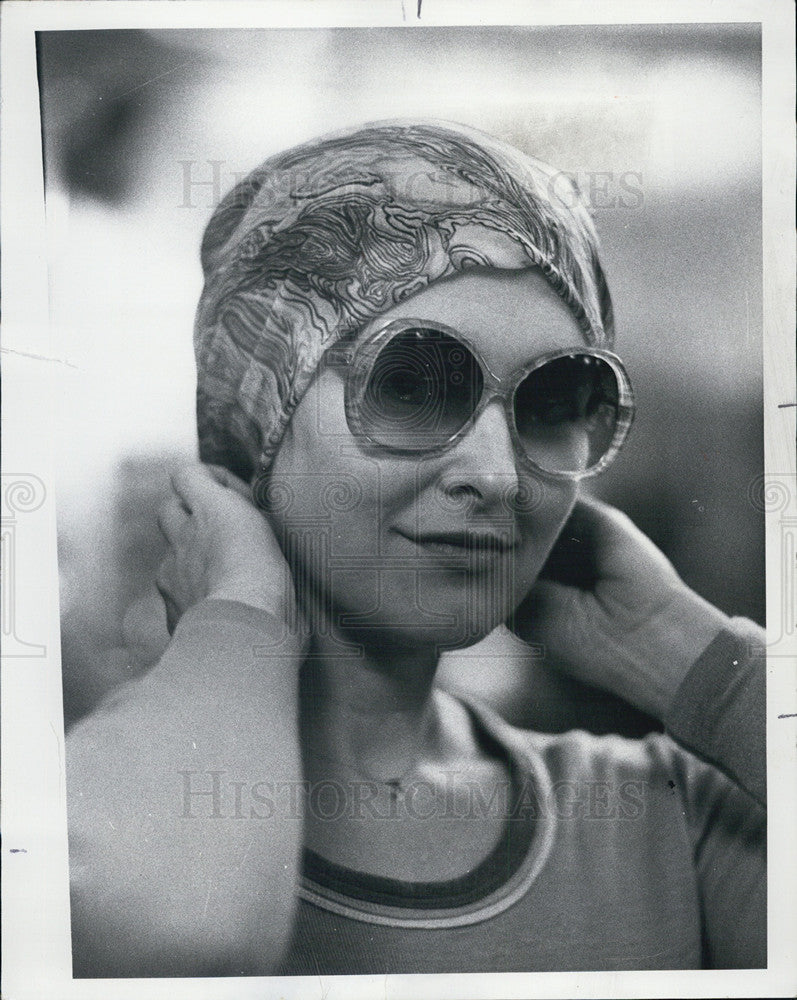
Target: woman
pixel 404 373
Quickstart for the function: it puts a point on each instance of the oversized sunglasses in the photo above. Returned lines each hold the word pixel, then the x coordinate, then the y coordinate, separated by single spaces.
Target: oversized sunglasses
pixel 416 387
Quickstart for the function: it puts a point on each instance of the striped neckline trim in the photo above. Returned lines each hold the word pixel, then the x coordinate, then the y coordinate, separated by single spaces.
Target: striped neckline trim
pixel 472 898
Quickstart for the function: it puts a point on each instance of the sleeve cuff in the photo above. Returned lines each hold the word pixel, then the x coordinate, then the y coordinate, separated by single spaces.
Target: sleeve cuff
pixel 719 712
pixel 233 612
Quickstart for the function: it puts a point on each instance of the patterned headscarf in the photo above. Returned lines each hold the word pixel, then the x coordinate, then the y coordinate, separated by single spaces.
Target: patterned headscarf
pixel 322 238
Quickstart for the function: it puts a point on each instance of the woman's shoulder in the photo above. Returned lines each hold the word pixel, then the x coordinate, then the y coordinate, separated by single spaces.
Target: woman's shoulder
pixel 579 755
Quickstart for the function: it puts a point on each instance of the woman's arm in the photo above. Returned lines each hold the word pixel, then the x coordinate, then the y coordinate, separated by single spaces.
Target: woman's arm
pixel 184 786
pixel 611 611
pixel 719 709
pixel 719 715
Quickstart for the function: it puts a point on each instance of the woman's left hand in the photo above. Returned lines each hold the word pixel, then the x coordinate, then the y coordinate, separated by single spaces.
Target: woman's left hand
pixel 610 610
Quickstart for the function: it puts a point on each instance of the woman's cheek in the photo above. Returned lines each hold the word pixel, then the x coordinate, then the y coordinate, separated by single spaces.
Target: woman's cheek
pixel 540 524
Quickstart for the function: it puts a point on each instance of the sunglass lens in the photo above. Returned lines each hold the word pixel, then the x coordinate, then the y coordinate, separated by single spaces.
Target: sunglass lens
pixel 566 412
pixel 423 388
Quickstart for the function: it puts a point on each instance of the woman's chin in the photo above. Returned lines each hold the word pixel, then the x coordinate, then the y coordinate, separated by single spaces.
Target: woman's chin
pixel 443 633
pixel 472 638
pixel 396 609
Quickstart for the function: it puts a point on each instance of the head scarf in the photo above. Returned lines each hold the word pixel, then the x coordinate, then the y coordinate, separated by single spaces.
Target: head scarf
pixel 320 239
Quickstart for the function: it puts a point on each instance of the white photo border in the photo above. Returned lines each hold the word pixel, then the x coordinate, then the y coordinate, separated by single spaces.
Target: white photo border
pixel 36 935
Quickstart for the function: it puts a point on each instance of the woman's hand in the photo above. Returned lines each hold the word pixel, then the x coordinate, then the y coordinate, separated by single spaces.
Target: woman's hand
pixel 220 546
pixel 610 610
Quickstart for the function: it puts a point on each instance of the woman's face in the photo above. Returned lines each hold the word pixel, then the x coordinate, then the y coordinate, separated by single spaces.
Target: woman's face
pixel 433 549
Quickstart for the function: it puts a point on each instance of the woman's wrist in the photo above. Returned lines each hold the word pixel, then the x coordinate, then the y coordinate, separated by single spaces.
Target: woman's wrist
pixel 279 602
pixel 679 635
pixel 220 636
pixel 282 635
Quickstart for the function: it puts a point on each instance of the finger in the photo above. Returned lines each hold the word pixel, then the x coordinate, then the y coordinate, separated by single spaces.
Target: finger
pixel 572 560
pixel 198 484
pixel 191 483
pixel 601 528
pixel 588 541
pixel 162 586
pixel 226 478
pixel 172 519
pixel 144 627
pixel 163 576
pixel 172 614
pixel 591 519
pixel 548 606
pixel 611 543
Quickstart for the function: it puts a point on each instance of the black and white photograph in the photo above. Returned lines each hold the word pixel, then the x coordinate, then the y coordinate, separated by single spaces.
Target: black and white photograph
pixel 399 561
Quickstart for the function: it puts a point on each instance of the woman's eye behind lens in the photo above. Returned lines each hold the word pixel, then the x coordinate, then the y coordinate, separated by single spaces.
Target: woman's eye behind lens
pixel 566 413
pixel 425 382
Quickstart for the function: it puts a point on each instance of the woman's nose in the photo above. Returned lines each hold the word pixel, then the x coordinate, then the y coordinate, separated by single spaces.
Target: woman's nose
pixel 482 467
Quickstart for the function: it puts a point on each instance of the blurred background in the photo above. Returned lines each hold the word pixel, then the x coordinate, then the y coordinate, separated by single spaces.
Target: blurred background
pixel 145 131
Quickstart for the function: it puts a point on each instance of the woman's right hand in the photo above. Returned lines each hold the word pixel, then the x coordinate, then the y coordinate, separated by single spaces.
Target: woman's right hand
pixel 153 894
pixel 220 546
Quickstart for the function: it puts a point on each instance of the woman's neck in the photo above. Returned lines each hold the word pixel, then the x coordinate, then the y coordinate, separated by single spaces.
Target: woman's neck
pixel 367 708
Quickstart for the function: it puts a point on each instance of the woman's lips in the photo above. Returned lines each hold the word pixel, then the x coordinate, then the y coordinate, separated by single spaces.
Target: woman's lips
pixel 463 543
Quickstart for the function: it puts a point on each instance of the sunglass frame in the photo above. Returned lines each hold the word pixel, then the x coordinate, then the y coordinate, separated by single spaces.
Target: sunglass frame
pixel 360 356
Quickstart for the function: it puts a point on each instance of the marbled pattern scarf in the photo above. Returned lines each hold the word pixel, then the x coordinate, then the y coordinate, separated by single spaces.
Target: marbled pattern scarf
pixel 322 238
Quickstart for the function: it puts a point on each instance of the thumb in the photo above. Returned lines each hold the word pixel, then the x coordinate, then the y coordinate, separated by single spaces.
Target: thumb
pixel 547 612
